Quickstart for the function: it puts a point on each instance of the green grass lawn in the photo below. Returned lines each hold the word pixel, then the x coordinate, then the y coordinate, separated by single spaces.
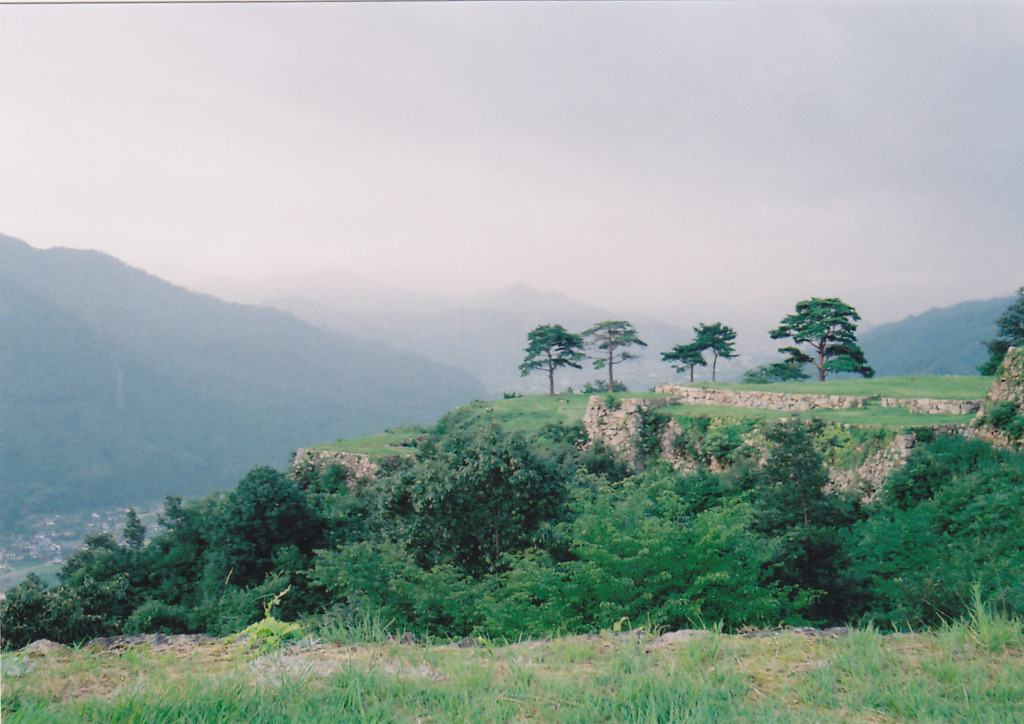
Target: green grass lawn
pixel 386 443
pixel 956 674
pixel 532 412
pixel 527 414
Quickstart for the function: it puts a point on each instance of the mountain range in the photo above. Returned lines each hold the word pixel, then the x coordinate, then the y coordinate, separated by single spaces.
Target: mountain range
pixel 486 332
pixel 117 387
pixel 941 341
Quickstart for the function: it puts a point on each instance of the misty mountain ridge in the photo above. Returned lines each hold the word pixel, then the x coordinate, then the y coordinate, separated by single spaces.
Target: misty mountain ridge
pixel 117 387
pixel 120 388
pixel 485 332
pixel 940 341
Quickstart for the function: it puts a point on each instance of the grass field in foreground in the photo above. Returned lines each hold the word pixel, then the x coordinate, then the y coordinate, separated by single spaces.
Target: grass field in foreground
pixel 961 673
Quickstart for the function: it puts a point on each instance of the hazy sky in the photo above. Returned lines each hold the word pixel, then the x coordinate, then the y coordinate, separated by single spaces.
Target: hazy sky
pixel 691 159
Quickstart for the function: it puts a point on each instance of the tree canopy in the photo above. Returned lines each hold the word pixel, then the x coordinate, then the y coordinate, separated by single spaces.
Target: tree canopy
pixel 775 372
pixel 719 339
pixel 549 347
pixel 829 328
pixel 474 495
pixel 685 357
pixel 1011 334
pixel 612 338
pixel 507 534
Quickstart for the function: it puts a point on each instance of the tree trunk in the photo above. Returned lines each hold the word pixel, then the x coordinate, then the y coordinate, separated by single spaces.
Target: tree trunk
pixel 551 373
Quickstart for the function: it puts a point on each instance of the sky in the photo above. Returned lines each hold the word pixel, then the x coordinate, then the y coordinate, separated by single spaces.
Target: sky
pixel 685 159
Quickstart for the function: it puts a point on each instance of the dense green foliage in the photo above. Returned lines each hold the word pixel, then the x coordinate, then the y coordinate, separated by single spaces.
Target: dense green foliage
pixel 947 522
pixel 549 348
pixel 1010 327
pixel 716 338
pixel 774 372
pixel 500 532
pixel 612 339
pixel 1006 417
pixel 829 328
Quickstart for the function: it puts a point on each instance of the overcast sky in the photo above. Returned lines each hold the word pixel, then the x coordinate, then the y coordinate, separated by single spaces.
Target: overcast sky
pixel 690 159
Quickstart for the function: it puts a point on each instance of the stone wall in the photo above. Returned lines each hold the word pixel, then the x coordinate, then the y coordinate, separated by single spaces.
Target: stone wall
pixel 357 465
pixel 759 399
pixel 619 426
pixel 1008 386
pixel 800 402
pixel 926 406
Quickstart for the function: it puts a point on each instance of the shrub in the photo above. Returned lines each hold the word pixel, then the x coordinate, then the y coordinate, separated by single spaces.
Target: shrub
pixel 1006 417
pixel 158 617
pixel 956 526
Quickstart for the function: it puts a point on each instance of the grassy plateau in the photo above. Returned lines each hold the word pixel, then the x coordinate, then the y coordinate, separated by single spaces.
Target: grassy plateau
pixel 968 671
pixel 532 412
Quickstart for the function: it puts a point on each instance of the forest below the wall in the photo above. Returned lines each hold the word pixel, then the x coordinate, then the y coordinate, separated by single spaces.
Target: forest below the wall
pixel 506 531
pixel 473 527
pixel 120 388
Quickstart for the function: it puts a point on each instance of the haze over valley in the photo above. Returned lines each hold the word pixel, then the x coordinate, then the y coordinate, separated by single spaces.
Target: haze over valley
pixel 120 388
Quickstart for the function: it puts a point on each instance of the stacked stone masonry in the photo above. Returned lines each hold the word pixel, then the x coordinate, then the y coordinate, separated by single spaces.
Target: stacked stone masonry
pixel 793 402
pixel 1008 386
pixel 357 465
pixel 618 426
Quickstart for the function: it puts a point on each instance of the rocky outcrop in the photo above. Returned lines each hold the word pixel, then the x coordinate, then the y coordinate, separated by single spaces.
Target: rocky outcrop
pixel 623 424
pixel 1001 419
pixel 1008 385
pixel 867 479
pixel 357 466
pixel 619 424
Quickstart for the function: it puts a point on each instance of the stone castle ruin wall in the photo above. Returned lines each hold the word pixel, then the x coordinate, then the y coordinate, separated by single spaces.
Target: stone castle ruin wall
pixel 803 402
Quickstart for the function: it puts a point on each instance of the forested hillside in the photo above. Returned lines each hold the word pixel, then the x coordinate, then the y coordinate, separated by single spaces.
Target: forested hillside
pixel 946 341
pixel 119 388
pixel 508 525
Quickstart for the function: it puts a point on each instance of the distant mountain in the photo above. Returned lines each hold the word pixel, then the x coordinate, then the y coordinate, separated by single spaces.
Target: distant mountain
pixel 486 333
pixel 946 341
pixel 117 387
